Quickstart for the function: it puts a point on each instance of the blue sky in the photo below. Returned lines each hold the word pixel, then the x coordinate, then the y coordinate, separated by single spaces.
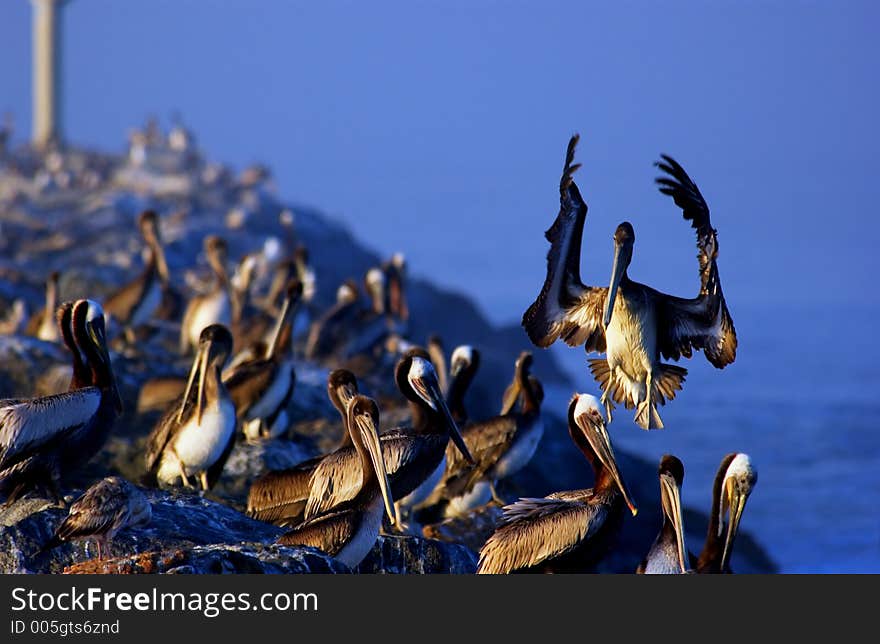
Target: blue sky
pixel 439 129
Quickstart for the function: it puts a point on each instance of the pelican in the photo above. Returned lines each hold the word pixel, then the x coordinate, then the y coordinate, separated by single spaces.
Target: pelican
pixel 110 505
pixel 414 456
pixel 196 434
pixel 734 482
pixel 44 439
pixel 566 531
pixel 213 307
pixel 333 326
pixel 395 271
pixel 262 388
pixel 280 497
pixel 667 554
pixel 463 366
pixel 633 324
pixel 438 359
pixel 349 530
pixel 135 303
pixel 43 324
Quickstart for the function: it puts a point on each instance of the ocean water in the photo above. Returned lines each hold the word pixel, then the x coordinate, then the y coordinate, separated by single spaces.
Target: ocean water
pixel 801 399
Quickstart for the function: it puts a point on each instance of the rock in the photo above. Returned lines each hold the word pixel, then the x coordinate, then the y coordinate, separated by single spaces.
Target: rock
pixel 415 555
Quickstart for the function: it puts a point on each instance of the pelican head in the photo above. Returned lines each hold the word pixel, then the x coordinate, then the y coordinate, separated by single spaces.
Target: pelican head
pixel 374 281
pixel 342 387
pixel 422 385
pixel 363 421
pixel 462 359
pixel 347 292
pixel 624 238
pixel 148 223
pixel 739 481
pixel 215 345
pixel 589 419
pixel 671 477
pixel 87 325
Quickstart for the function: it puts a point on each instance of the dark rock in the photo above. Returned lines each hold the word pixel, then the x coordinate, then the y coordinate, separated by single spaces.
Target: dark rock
pixel 415 555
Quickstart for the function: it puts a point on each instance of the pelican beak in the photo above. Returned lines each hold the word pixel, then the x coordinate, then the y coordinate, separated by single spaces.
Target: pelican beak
pixel 429 391
pixel 670 499
pixel 370 436
pixel 96 334
pixel 203 373
pixel 737 505
pixel 594 429
pixel 511 395
pixel 617 271
pixel 199 366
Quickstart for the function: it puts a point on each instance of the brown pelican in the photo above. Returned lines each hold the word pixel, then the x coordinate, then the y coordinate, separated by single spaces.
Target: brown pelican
pixel 463 366
pixel 733 484
pixel 262 388
pixel 135 303
pixel 213 307
pixel 333 326
pixel 110 505
pixel 667 555
pixel 44 439
pixel 565 531
pixel 280 497
pixel 349 530
pixel 438 359
pixel 414 456
pixel 196 434
pixel 42 324
pixel 633 324
pixel 395 272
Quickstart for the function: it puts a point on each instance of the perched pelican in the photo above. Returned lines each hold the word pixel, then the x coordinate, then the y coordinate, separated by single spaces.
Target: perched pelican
pixel 667 554
pixel 43 439
pixel 565 531
pixel 349 530
pixel 213 307
pixel 135 303
pixel 414 456
pixel 395 272
pixel 333 326
pixel 280 497
pixel 42 324
pixel 633 324
pixel 463 366
pixel 733 484
pixel 196 434
pixel 107 507
pixel 262 388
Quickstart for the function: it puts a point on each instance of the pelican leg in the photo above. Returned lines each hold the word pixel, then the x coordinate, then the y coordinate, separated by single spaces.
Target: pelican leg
pixel 98 545
pixel 495 496
pixel 606 401
pixel 203 479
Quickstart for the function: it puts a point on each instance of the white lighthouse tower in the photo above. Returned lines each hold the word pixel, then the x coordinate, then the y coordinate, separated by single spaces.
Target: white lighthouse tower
pixel 47 73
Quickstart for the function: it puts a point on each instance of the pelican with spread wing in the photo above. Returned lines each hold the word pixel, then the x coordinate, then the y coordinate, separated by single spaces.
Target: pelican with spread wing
pixel 632 324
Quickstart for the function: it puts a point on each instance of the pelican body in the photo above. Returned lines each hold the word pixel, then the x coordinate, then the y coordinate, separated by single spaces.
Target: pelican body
pixel 196 434
pixel 566 531
pixel 667 555
pixel 633 324
pixel 349 530
pixel 44 439
pixel 43 324
pixel 110 505
pixel 280 497
pixel 213 307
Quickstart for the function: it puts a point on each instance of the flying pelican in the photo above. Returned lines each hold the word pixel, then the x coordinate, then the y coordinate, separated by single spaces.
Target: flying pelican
pixel 213 307
pixel 633 324
pixel 196 434
pixel 667 555
pixel 44 439
pixel 349 530
pixel 107 507
pixel 135 303
pixel 280 497
pixel 734 482
pixel 43 324
pixel 262 388
pixel 565 531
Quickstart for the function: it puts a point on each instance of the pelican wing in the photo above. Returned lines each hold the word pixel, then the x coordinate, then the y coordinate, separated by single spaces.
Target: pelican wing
pixel 531 531
pixel 338 477
pixel 328 533
pixel 122 303
pixel 281 495
pixel 487 442
pixel 565 307
pixel 29 425
pixel 249 383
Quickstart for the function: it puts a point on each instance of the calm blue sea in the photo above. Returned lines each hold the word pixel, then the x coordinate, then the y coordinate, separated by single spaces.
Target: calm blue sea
pixel 802 400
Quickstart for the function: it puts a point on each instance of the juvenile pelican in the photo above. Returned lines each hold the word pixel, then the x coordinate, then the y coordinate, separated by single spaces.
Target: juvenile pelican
pixel 565 531
pixel 349 530
pixel 196 434
pixel 44 439
pixel 280 497
pixel 213 307
pixel 135 303
pixel 42 324
pixel 667 555
pixel 734 482
pixel 633 324
pixel 110 505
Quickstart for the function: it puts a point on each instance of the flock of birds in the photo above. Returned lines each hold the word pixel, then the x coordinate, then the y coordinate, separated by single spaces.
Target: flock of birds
pixel 242 378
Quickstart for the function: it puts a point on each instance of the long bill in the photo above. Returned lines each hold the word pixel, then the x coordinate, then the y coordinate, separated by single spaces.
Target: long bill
pixel 671 500
pixel 370 437
pixel 429 391
pixel 197 366
pixel 617 271
pixel 96 333
pixel 279 325
pixel 601 443
pixel 737 505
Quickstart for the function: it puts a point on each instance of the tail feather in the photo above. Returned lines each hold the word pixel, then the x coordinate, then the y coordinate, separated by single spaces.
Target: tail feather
pixel 667 382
